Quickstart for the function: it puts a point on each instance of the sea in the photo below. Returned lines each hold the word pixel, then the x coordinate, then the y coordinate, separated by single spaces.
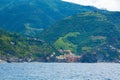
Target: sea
pixel 59 71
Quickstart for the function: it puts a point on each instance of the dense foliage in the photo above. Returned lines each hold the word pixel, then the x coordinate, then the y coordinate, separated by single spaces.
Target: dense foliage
pixel 15 47
pixel 55 30
pixel 29 17
pixel 98 40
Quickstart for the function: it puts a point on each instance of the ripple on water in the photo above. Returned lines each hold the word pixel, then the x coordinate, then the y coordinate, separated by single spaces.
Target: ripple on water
pixel 59 71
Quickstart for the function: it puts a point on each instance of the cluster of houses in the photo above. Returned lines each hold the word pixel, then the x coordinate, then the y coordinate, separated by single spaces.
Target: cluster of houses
pixel 68 56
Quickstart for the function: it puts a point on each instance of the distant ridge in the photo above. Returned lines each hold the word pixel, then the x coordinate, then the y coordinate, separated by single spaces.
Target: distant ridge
pixel 16 14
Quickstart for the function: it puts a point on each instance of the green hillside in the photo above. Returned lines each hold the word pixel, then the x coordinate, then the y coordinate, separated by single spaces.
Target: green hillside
pixel 32 16
pixel 53 30
pixel 15 48
pixel 92 35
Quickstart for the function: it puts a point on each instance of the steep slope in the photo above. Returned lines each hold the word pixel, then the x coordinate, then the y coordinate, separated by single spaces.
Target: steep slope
pixel 29 16
pixel 15 48
pixel 114 18
pixel 92 35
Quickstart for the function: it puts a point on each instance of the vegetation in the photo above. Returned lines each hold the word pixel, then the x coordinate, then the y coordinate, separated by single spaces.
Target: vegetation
pixel 39 14
pixel 14 46
pixel 53 29
pixel 64 43
pixel 97 34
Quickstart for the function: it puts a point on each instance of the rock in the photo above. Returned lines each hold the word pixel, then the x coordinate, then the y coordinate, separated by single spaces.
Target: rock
pixel 2 61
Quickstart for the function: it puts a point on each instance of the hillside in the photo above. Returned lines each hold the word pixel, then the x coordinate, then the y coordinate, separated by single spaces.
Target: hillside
pixel 53 30
pixel 30 17
pixel 15 48
pixel 93 36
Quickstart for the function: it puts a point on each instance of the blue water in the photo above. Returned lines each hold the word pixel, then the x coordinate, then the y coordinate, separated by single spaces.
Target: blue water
pixel 59 71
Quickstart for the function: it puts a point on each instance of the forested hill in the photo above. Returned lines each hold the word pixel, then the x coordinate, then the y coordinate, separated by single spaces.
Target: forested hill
pixel 30 16
pixel 15 48
pixel 53 30
pixel 92 35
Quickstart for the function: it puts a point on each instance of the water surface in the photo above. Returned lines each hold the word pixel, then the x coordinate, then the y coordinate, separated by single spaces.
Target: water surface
pixel 59 71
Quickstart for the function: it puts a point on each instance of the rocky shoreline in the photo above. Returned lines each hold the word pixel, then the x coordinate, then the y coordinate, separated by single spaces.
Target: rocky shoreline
pixel 49 61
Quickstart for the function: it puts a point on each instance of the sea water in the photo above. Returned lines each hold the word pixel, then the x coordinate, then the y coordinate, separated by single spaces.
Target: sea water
pixel 59 71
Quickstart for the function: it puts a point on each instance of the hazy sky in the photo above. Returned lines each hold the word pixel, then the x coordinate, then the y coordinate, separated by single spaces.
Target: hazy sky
pixel 112 5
